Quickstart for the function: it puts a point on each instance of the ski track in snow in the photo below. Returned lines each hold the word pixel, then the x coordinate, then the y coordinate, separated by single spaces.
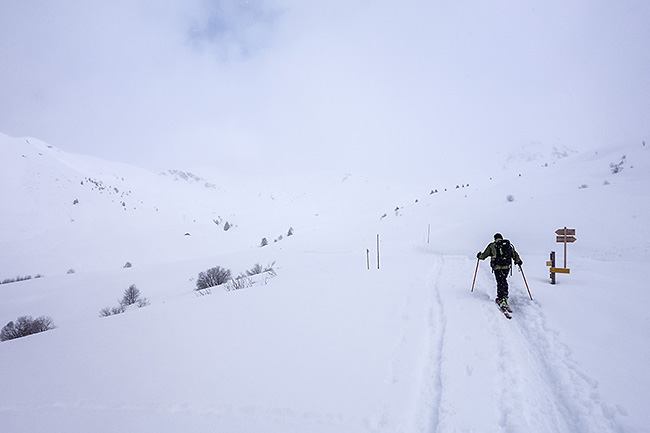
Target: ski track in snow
pixel 421 334
pixel 525 379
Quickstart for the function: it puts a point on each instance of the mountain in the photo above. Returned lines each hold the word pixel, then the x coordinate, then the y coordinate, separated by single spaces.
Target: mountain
pixel 342 335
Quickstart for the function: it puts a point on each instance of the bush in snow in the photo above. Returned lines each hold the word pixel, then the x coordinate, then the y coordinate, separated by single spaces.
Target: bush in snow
pixel 617 168
pixel 239 283
pixel 212 277
pixel 259 269
pixel 18 278
pixel 510 198
pixel 108 311
pixel 131 297
pixel 25 325
pixel 127 265
pixel 264 242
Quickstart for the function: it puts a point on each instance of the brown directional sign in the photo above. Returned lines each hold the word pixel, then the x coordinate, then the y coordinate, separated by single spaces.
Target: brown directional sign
pixel 565 239
pixel 565 231
pixel 560 270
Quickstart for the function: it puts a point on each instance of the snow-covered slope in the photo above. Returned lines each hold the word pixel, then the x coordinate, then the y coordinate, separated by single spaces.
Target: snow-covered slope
pixel 328 345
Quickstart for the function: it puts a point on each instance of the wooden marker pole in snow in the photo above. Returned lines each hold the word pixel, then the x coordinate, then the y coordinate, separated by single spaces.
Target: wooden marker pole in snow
pixel 368 258
pixel 551 263
pixel 377 251
pixel 428 233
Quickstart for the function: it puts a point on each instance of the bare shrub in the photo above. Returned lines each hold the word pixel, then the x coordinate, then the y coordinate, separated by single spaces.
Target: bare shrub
pixel 212 277
pixel 105 312
pixel 617 168
pixel 256 269
pixel 510 198
pixel 239 283
pixel 26 325
pixel 142 302
pixel 18 279
pixel 259 269
pixel 131 295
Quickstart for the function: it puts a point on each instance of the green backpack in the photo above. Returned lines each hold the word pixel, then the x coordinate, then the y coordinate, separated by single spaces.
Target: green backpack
pixel 504 253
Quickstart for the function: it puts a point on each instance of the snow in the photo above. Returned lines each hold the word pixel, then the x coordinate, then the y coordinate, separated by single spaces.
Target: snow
pixel 327 345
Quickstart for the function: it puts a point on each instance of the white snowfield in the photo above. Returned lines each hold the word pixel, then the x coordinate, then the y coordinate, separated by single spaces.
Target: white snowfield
pixel 327 345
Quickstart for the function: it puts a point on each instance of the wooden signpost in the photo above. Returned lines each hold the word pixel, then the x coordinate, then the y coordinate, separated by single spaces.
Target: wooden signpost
pixel 565 236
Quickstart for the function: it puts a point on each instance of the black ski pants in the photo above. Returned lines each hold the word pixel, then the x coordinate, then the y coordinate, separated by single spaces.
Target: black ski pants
pixel 501 276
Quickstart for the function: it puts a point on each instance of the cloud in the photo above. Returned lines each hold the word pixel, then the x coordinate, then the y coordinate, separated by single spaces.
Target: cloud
pixel 368 85
pixel 233 29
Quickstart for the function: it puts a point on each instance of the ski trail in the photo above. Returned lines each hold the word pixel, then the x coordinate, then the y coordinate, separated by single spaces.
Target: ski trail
pixel 574 394
pixel 469 364
pixel 506 375
pixel 438 322
pixel 423 307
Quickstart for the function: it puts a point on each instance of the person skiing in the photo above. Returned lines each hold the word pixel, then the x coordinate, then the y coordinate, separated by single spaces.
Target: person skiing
pixel 501 253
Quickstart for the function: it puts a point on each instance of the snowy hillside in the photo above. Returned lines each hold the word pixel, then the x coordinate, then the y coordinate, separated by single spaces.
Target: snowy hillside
pixel 327 345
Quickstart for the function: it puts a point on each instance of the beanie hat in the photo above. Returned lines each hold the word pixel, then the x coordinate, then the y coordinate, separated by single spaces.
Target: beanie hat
pixel 497 236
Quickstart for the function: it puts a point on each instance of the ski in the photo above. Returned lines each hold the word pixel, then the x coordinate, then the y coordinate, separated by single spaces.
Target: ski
pixel 505 310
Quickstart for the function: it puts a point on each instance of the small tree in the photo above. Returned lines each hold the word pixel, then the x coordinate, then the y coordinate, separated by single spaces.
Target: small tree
pixel 131 296
pixel 212 277
pixel 264 242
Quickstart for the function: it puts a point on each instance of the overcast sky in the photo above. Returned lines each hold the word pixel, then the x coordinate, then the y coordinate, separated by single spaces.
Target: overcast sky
pixel 346 84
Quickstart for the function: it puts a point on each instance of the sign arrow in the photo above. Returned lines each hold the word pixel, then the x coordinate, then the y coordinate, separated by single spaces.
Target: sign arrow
pixel 561 270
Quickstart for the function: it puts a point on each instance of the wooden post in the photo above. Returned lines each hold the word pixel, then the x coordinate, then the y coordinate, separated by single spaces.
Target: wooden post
pixel 565 236
pixel 377 251
pixel 428 233
pixel 565 239
pixel 552 266
pixel 368 258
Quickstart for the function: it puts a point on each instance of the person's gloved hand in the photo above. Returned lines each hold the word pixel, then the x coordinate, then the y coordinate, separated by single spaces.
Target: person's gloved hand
pixel 478 255
pixel 519 263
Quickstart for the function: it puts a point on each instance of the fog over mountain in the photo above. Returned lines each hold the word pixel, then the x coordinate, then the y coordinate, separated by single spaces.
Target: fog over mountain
pixel 397 90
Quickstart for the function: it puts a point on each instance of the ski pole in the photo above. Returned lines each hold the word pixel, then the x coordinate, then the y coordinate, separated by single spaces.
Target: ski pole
pixel 525 282
pixel 475 271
